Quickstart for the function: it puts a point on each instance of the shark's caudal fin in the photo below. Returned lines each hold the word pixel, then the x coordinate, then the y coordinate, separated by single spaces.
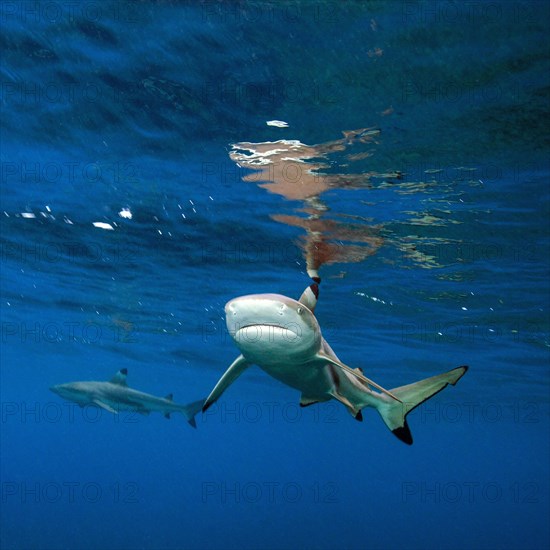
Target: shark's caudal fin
pixel 191 410
pixel 394 413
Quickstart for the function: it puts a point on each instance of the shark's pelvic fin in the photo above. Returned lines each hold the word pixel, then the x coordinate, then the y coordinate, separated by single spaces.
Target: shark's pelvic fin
pixel 343 400
pixel 310 296
pixel 120 377
pixel 231 374
pixel 357 374
pixel 103 405
pixel 306 401
pixel 356 413
pixel 394 414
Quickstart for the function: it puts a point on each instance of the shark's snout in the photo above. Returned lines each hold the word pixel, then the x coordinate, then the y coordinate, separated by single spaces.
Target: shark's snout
pixel 272 327
pixel 266 309
pixel 60 390
pixel 64 390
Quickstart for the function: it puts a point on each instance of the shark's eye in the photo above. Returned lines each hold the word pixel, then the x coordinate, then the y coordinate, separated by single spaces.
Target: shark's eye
pixel 299 310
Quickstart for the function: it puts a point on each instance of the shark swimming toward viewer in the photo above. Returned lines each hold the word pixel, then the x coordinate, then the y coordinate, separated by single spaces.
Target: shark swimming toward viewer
pixel 115 396
pixel 282 336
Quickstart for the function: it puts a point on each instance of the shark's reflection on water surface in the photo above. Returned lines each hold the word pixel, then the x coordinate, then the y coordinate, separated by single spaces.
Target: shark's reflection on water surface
pixel 425 203
pixel 301 172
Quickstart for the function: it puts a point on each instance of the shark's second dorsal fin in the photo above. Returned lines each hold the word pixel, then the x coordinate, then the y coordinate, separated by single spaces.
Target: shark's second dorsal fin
pixel 310 296
pixel 120 377
pixel 169 397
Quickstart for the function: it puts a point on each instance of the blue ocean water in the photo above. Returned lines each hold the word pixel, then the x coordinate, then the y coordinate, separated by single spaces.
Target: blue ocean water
pixel 142 188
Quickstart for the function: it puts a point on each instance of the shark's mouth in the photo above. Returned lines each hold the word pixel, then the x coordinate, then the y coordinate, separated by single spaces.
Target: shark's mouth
pixel 263 331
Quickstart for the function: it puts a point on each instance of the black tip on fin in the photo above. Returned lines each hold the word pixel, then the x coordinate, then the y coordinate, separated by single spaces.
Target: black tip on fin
pixel 303 405
pixel 359 416
pixel 403 434
pixel 315 289
pixel 192 422
pixel 124 371
pixel 465 368
pixel 317 280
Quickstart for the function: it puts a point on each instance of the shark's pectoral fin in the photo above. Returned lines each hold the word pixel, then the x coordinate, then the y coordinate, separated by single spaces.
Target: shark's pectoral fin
pixel 231 374
pixel 105 406
pixel 356 373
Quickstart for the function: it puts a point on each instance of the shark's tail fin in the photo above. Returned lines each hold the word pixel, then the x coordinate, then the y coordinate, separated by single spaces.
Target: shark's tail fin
pixel 394 413
pixel 191 410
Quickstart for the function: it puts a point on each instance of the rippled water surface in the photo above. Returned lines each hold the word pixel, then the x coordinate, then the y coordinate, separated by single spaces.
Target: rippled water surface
pixel 161 158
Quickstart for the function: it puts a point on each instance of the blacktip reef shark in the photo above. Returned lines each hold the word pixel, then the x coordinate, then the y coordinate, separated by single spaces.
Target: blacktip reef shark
pixel 282 336
pixel 115 396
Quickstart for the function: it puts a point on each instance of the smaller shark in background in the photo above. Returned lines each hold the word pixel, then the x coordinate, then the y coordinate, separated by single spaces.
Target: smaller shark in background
pixel 115 396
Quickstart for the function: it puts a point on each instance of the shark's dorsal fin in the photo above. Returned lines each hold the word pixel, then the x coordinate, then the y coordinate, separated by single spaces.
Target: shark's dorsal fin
pixel 310 296
pixel 120 377
pixel 169 397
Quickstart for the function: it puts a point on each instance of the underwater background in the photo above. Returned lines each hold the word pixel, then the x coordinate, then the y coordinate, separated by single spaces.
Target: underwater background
pixel 141 190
